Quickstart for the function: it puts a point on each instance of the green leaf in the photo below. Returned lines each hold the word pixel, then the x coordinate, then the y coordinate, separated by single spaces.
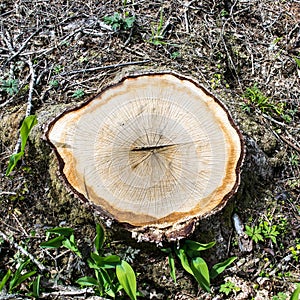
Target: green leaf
pixel 23 278
pixel 87 281
pixel 198 246
pixel 297 60
pixel 128 22
pixel 100 237
pixel 184 260
pixel 26 127
pixel 296 293
pixel 53 243
pixel 172 266
pixel 13 160
pixel 201 273
pixel 18 278
pixel 65 231
pixel 127 279
pixel 220 267
pixel 4 279
pixel 36 287
pixel 71 245
pixel 106 262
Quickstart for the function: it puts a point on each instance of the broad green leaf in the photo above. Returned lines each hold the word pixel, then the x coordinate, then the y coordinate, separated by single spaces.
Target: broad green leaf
pixel 13 160
pixel 198 246
pixel 100 237
pixel 53 243
pixel 26 127
pixel 184 260
pixel 106 262
pixel 4 279
pixel 127 279
pixel 220 267
pixel 87 281
pixel 296 293
pixel 172 266
pixel 201 273
pixel 65 231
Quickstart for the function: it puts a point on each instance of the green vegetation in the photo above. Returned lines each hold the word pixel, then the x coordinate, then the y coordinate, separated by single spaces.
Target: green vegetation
pixel 295 251
pixel 54 83
pixel 118 22
pixel 25 129
pixel 296 293
pixel 15 279
pixel 254 98
pixel 297 60
pixel 111 273
pixel 195 265
pixel 78 94
pixel 263 231
pixel 63 237
pixel 229 287
pixel 10 86
pixel 157 33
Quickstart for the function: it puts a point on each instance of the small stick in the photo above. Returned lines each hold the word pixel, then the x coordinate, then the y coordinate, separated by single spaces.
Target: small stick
pixel 25 252
pixel 29 101
pixel 23 45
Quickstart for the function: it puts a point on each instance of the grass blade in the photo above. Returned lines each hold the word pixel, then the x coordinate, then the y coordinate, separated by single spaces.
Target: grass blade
pixel 4 279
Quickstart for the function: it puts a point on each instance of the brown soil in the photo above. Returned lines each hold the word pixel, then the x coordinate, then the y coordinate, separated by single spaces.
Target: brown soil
pixel 53 49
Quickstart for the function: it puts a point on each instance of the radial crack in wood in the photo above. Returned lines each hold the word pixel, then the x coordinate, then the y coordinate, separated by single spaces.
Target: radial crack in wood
pixel 156 151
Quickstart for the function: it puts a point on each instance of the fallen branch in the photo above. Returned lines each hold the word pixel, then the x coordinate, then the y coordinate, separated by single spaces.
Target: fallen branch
pixel 29 101
pixel 69 291
pixel 23 251
pixel 23 46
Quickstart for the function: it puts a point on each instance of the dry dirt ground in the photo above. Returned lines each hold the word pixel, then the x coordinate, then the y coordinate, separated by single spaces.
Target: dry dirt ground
pixel 57 53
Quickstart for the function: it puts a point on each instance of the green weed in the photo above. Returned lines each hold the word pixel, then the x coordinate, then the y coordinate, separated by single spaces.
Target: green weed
pixel 295 251
pixel 157 31
pixel 54 83
pixel 10 86
pixel 117 22
pixel 15 279
pixel 57 69
pixel 280 296
pixel 64 236
pixel 229 287
pixel 194 264
pixel 297 60
pixel 78 94
pixel 255 99
pixel 25 129
pixel 112 274
pixel 262 232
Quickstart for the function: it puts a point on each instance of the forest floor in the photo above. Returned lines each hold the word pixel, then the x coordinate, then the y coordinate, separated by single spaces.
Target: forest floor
pixel 58 53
